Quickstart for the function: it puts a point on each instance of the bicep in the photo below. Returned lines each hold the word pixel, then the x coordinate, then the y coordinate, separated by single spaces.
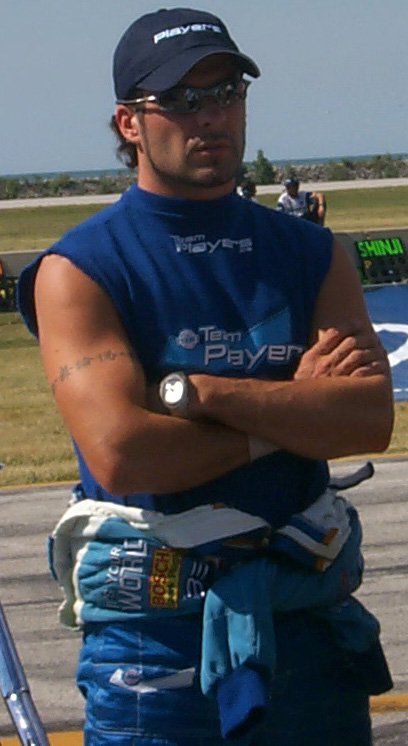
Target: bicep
pixel 340 300
pixel 88 360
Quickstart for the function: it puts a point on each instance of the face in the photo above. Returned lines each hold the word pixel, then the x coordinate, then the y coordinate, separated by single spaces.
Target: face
pixel 292 189
pixel 190 155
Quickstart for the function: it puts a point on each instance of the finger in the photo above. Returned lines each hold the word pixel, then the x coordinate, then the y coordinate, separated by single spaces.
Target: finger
pixel 316 362
pixel 368 341
pixel 346 350
pixel 356 351
pixel 378 368
pixel 330 338
pixel 357 359
pixel 346 358
pixel 335 346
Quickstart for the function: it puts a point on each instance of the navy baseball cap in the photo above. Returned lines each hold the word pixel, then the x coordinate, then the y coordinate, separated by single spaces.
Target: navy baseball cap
pixel 159 48
pixel 291 181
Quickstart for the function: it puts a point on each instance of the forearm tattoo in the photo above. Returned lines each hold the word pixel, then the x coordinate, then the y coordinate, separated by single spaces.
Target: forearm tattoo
pixel 66 371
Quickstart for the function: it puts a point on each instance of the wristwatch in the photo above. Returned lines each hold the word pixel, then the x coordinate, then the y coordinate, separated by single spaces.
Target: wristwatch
pixel 173 392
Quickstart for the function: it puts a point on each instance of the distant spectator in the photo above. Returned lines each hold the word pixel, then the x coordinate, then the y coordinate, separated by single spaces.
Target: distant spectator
pixel 302 204
pixel 248 190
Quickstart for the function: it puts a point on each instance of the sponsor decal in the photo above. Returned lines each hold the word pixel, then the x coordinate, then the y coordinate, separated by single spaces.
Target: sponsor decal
pixel 187 339
pixel 198 244
pixel 164 578
pixel 215 348
pixel 124 577
pixel 195 583
pixel 169 33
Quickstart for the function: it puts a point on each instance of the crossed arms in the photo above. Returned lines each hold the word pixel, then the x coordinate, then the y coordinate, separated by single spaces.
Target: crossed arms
pixel 340 401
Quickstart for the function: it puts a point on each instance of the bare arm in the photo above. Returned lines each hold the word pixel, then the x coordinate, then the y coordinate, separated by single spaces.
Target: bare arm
pixel 321 204
pixel 329 410
pixel 100 389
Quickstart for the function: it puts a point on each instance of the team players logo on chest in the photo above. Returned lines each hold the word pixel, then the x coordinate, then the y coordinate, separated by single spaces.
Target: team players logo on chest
pixel 218 350
pixel 200 244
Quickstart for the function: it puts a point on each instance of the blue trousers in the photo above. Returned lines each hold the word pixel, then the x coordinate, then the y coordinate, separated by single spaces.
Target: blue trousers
pixel 314 698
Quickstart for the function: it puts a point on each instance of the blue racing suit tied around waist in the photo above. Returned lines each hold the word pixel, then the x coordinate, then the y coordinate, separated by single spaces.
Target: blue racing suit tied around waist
pixel 118 563
pixel 238 644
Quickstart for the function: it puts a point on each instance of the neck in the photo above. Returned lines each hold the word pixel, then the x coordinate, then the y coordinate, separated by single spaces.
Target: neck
pixel 173 188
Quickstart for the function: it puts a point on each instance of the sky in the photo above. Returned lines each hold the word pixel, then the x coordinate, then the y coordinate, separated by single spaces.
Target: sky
pixel 334 78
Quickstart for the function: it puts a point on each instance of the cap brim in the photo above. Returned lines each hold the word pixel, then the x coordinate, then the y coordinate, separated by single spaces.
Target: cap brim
pixel 166 76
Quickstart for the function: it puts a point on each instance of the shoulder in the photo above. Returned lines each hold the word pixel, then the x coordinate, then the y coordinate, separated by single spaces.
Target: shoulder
pixel 90 247
pixel 302 239
pixel 284 200
pixel 101 221
pixel 300 229
pixel 93 245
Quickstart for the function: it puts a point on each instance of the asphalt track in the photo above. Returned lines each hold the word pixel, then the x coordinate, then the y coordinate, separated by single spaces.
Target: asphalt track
pixel 48 651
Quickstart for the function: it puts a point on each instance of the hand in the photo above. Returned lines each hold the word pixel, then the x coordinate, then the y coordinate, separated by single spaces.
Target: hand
pixel 344 352
pixel 201 388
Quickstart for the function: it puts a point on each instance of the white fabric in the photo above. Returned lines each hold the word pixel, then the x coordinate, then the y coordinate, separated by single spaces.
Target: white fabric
pixel 329 514
pixel 178 680
pixel 180 531
pixel 294 205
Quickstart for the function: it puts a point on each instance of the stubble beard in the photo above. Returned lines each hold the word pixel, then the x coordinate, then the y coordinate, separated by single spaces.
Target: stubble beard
pixel 214 173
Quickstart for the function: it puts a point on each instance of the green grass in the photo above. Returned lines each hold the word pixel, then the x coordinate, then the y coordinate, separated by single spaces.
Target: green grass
pixel 35 446
pixel 359 209
pixel 37 228
pixel 352 209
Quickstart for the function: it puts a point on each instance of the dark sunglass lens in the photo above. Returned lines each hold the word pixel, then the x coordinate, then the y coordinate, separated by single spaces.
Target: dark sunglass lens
pixel 179 100
pixel 193 99
pixel 242 89
pixel 187 100
pixel 225 93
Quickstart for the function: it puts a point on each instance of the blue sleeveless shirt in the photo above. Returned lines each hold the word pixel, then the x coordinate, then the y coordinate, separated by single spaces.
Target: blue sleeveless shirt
pixel 222 287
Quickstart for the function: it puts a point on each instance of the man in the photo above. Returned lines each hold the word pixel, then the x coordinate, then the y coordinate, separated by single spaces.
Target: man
pixel 302 204
pixel 182 275
pixel 248 190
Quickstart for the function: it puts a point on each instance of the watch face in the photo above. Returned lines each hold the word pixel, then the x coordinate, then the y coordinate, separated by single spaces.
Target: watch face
pixel 173 391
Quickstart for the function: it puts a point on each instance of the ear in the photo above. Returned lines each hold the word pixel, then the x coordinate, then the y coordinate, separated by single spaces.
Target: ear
pixel 128 123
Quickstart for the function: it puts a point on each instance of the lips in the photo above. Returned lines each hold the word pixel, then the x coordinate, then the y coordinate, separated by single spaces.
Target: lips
pixel 210 147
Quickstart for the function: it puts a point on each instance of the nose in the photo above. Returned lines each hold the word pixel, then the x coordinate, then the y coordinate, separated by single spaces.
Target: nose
pixel 210 111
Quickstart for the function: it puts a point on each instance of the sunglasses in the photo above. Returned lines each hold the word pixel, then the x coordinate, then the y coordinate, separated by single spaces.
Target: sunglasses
pixel 188 100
